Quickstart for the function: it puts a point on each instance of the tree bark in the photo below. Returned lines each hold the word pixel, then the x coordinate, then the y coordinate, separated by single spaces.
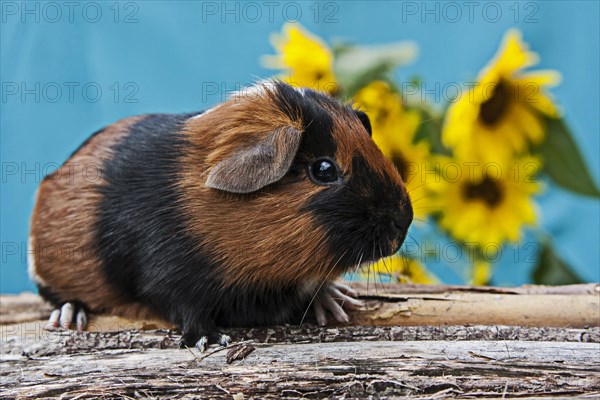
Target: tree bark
pixel 405 342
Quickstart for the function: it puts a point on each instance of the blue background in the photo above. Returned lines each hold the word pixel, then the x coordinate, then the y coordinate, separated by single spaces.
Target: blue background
pixel 171 56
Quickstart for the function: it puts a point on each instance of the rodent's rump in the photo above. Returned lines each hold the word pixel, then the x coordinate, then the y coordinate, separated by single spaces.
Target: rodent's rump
pixel 235 216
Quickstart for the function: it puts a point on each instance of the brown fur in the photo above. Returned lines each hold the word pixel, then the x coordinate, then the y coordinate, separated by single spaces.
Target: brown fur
pixel 257 240
pixel 251 237
pixel 350 140
pixel 252 234
pixel 61 228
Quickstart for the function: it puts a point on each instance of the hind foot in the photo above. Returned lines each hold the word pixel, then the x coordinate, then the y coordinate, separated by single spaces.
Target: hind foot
pixel 201 342
pixel 71 315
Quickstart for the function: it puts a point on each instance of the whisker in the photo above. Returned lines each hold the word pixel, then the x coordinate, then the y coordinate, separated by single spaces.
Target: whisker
pixel 368 276
pixel 359 259
pixel 320 286
pixel 413 189
pixel 369 269
pixel 427 207
pixel 414 201
pixel 382 258
pixel 422 221
pixel 387 270
pixel 406 265
pixel 355 271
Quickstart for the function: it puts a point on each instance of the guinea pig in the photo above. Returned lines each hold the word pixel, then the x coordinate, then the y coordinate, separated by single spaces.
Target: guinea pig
pixel 242 215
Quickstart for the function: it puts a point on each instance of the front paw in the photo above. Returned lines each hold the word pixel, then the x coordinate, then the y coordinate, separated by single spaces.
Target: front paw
pixel 335 298
pixel 201 340
pixel 70 315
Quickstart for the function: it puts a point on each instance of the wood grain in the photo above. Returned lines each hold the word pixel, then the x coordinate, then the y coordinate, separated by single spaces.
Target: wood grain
pixel 422 342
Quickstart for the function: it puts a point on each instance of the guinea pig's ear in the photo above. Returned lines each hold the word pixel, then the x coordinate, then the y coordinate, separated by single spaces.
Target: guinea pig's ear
pixel 259 165
pixel 365 121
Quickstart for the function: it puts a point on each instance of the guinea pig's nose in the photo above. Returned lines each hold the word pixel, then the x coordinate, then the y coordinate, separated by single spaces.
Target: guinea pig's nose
pixel 400 221
pixel 397 224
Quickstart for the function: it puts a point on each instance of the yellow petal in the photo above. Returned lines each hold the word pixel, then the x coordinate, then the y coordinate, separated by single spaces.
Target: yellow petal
pixel 514 54
pixel 540 78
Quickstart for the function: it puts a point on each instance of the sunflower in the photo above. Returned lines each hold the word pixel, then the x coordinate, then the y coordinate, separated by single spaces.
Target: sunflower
pixel 306 58
pixel 482 273
pixel 503 111
pixel 394 129
pixel 485 203
pixel 401 269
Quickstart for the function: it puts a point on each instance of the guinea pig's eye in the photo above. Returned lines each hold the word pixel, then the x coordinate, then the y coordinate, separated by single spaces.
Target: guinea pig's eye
pixel 324 171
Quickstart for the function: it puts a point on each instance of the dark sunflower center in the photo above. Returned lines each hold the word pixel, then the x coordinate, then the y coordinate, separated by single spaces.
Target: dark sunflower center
pixel 487 190
pixel 402 164
pixel 381 116
pixel 493 109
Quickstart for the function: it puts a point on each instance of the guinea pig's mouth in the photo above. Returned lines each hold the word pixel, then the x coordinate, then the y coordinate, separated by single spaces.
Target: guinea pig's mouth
pixel 393 231
pixel 372 250
pixel 395 245
pixel 388 248
pixel 368 234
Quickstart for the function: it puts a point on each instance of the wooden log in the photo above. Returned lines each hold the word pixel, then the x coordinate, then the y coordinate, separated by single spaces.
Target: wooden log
pixel 387 351
pixel 573 306
pixel 351 369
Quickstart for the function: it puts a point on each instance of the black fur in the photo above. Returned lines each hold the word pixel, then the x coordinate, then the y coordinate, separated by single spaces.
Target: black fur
pixel 317 123
pixel 362 216
pixel 317 139
pixel 48 295
pixel 147 255
pixel 364 118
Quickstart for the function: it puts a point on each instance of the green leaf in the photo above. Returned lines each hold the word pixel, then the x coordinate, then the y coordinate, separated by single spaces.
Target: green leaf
pixel 563 161
pixel 357 66
pixel 430 129
pixel 551 270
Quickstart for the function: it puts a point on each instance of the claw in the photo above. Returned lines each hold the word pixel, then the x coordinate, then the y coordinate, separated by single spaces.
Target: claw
pixel 345 301
pixel 68 314
pixel 335 298
pixel 202 344
pixel 202 338
pixel 345 288
pixel 330 303
pixel 54 319
pixel 81 320
pixel 224 340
